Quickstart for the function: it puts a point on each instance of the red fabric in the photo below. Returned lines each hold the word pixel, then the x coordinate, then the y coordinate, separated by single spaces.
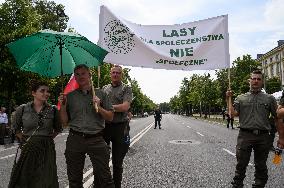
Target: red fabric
pixel 71 86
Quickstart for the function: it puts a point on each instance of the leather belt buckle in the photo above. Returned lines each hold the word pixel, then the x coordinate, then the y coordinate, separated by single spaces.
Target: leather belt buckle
pixel 256 132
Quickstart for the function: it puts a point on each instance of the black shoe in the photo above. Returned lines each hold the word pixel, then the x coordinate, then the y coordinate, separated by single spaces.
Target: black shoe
pixel 159 127
pixel 154 127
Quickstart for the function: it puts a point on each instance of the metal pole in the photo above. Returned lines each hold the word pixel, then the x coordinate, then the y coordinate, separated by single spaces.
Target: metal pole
pixel 61 63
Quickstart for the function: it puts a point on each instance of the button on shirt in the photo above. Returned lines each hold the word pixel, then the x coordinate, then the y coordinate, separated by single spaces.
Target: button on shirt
pixel 254 110
pixel 3 118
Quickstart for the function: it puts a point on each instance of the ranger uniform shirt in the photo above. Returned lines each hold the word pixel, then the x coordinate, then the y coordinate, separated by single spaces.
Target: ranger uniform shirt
pixel 26 120
pixel 254 110
pixel 118 95
pixel 81 113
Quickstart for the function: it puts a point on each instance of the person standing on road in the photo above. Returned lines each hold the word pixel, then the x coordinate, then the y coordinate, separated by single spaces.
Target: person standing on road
pixel 158 118
pixel 36 125
pixel 280 123
pixel 116 130
pixel 230 120
pixel 3 124
pixel 254 109
pixel 272 133
pixel 85 114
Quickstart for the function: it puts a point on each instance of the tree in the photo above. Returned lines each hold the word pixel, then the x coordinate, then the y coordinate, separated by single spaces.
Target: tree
pixel 19 18
pixel 165 107
pixel 184 93
pixel 52 15
pixel 241 73
pixel 273 85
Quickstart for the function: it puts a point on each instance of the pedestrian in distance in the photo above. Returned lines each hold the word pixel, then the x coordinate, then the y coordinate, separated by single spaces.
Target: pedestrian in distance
pixel 158 117
pixel 12 129
pixel 230 120
pixel 36 125
pixel 116 130
pixel 3 124
pixel 85 114
pixel 254 109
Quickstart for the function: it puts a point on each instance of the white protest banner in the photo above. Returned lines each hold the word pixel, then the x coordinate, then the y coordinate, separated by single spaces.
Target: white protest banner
pixel 199 45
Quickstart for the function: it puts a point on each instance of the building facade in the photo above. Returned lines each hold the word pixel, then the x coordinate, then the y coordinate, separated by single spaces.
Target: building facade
pixel 272 62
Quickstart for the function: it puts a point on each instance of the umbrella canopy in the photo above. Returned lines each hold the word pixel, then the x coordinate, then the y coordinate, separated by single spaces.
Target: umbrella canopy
pixel 50 53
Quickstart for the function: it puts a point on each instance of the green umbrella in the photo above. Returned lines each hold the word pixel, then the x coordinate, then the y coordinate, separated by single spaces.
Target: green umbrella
pixel 50 53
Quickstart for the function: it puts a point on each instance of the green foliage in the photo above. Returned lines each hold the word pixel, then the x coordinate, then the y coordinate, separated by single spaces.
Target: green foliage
pixel 52 15
pixel 19 18
pixel 165 107
pixel 273 85
pixel 241 73
pixel 202 93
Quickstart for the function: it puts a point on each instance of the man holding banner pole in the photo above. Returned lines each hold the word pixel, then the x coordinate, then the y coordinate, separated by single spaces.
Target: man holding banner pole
pixel 86 123
pixel 116 131
pixel 254 109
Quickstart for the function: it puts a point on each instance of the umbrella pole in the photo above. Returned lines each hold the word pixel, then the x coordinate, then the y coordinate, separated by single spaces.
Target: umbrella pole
pixel 94 93
pixel 61 66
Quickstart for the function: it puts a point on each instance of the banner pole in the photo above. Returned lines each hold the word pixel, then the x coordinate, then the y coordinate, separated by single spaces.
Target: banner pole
pixel 94 93
pixel 99 76
pixel 229 102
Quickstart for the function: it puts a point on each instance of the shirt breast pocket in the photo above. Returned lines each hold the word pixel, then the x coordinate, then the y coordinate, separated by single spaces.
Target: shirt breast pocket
pixel 48 120
pixel 263 106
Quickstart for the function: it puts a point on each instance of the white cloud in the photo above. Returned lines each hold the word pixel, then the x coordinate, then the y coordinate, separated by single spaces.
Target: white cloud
pixel 274 13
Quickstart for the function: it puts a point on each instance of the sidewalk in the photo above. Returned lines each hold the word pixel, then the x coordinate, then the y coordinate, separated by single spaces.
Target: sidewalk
pixel 217 118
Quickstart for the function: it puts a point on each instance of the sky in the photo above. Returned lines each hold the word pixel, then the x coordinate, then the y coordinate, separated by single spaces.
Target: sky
pixel 255 26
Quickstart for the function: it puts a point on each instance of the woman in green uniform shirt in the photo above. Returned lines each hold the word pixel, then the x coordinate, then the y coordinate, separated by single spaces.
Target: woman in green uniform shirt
pixel 36 124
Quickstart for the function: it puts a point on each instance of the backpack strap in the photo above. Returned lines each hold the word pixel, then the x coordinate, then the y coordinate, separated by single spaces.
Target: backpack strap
pixel 22 113
pixel 54 114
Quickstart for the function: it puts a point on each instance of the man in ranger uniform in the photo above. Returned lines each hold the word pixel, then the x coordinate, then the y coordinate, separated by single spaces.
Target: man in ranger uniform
pixel 85 114
pixel 116 130
pixel 254 109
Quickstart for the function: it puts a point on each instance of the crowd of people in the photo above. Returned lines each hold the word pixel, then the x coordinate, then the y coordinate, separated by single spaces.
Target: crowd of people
pixel 98 121
pixel 95 117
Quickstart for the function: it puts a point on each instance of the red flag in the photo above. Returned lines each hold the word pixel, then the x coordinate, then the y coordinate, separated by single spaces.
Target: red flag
pixel 71 86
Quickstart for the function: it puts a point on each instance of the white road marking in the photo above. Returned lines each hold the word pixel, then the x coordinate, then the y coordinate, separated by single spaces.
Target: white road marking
pixel 188 127
pixel 136 138
pixel 8 148
pixel 6 157
pixel 231 153
pixel 199 133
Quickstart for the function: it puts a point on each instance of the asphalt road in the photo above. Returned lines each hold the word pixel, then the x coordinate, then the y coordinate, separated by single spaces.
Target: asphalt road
pixel 186 152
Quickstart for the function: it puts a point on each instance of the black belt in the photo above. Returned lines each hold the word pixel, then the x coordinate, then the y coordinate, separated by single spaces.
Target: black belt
pixel 116 123
pixel 85 135
pixel 255 131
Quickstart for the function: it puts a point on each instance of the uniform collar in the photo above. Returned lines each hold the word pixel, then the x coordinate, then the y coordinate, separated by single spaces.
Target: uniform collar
pixel 114 86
